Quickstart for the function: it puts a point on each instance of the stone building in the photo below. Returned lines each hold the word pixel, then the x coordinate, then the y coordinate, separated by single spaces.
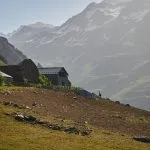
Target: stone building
pixel 26 70
pixel 57 75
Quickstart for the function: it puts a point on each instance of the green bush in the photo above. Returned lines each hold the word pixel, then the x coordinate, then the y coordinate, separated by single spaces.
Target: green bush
pixel 66 88
pixel 44 81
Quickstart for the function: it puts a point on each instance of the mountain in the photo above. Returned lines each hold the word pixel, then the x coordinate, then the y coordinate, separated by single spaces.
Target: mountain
pixel 2 34
pixel 8 53
pixel 41 25
pixel 105 47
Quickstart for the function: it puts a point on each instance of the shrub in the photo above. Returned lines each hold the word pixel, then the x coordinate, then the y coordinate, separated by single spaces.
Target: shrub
pixel 67 88
pixel 44 81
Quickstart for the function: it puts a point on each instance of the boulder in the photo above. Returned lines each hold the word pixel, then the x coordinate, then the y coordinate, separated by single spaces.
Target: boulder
pixel 31 118
pixel 72 130
pixel 20 117
pixel 142 139
pixel 34 104
pixel 127 105
pixel 25 118
pixel 86 94
pixel 86 132
pixel 74 97
pixel 7 103
pixel 16 105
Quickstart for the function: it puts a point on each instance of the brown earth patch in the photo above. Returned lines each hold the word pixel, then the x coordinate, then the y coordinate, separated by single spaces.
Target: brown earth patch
pixel 99 113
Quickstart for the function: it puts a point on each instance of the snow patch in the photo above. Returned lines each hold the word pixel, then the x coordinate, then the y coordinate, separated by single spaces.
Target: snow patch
pixel 129 43
pixel 117 55
pixel 137 16
pixel 114 12
pixel 141 64
pixel 29 41
pixel 108 11
pixel 78 57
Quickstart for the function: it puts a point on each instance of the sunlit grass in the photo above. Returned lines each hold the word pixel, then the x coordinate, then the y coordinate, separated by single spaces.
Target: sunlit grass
pixel 19 136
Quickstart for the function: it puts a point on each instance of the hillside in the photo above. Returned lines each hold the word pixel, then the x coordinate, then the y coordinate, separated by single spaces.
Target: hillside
pixel 100 113
pixel 113 125
pixel 8 53
pixel 104 46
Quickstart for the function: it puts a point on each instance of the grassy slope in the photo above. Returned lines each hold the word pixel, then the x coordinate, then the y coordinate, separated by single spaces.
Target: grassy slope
pixel 102 113
pixel 19 136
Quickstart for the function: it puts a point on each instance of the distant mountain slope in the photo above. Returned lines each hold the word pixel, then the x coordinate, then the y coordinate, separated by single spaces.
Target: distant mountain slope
pixel 8 53
pixel 105 47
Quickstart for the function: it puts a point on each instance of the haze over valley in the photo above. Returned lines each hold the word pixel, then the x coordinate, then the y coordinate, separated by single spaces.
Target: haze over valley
pixel 104 48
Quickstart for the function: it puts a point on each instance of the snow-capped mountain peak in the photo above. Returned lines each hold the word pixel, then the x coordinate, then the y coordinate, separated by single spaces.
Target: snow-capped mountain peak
pixel 104 46
pixel 40 25
pixel 2 34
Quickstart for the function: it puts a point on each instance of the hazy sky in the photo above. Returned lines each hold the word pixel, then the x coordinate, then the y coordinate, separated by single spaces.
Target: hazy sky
pixel 14 13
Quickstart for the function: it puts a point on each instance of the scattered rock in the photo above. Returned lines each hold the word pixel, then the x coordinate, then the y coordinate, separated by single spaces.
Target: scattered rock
pixel 86 122
pixel 117 116
pixel 27 107
pixel 20 118
pixel 87 94
pixel 72 130
pixel 34 104
pixel 16 105
pixel 62 120
pixel 142 139
pixel 7 114
pixel 33 120
pixel 86 133
pixel 30 118
pixel 74 97
pixel 22 107
pixel 7 103
pixel 43 123
pixel 127 105
pixel 35 92
pixel 55 127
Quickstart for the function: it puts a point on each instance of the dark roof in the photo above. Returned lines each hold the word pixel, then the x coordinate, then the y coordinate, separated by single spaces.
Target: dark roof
pixel 25 61
pixel 10 66
pixel 52 70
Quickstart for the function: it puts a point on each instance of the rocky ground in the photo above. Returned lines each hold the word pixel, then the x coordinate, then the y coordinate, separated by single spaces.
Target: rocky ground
pixel 101 113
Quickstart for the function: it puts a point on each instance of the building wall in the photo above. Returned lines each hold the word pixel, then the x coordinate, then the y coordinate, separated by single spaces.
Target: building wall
pixel 58 80
pixel 64 81
pixel 57 75
pixel 52 78
pixel 15 71
pixel 30 71
pixel 25 70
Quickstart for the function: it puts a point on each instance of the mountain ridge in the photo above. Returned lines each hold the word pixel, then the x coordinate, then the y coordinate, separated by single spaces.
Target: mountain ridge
pixel 102 47
pixel 9 53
